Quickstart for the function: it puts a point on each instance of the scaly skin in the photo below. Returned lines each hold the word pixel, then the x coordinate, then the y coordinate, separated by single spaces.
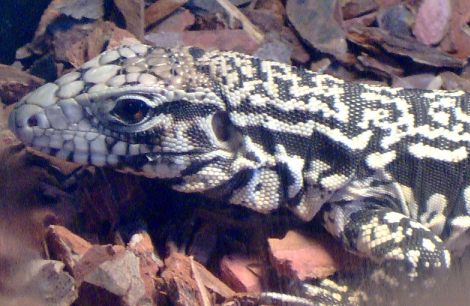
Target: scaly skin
pixel 386 167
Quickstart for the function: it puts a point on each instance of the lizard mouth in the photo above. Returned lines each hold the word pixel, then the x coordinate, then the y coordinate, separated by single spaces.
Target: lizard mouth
pixel 164 165
pixel 97 159
pixel 81 158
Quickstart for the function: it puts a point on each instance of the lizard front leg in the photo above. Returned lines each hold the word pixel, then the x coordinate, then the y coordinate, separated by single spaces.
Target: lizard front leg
pixel 404 258
pixel 406 255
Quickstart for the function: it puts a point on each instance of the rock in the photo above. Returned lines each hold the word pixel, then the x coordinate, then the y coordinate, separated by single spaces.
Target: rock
pixel 177 22
pixel 116 270
pixel 274 48
pixel 396 19
pixel 315 21
pixel 183 289
pixel 421 81
pixel 457 42
pixel 91 9
pixel 149 264
pixel 38 282
pixel 236 40
pixel 301 257
pixel 133 12
pixel 452 81
pixel 212 6
pixel 160 9
pixel 370 38
pixel 432 21
pixel 385 67
pixel 305 258
pixel 66 246
pixel 242 273
pixel 354 8
pixel 14 84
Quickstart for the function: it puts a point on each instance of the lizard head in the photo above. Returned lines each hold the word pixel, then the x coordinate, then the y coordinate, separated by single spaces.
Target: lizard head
pixel 152 111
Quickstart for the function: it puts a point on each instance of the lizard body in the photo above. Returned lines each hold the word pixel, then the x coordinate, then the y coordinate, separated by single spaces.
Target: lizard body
pixel 388 168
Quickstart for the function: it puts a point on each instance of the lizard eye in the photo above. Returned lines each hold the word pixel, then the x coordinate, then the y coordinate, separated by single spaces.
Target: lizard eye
pixel 130 110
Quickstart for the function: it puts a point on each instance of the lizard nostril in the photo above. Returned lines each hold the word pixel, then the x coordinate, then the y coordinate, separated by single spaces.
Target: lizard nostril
pixel 33 121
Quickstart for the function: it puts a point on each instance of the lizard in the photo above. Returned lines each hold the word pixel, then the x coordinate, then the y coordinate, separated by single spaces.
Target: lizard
pixel 387 169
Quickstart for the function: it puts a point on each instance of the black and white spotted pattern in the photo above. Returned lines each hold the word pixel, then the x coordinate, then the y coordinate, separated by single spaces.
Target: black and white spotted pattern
pixel 387 167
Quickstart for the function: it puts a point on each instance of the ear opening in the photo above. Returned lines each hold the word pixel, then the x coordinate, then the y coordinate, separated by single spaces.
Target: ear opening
pixel 226 132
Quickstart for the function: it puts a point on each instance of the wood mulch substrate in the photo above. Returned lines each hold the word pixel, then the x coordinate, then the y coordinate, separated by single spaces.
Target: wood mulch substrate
pixel 85 236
